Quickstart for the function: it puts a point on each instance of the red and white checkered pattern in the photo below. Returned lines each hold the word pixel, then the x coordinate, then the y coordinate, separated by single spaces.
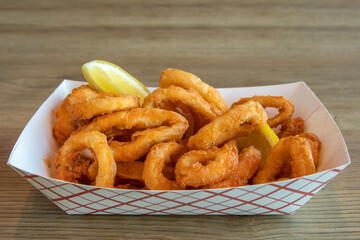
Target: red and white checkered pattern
pixel 275 198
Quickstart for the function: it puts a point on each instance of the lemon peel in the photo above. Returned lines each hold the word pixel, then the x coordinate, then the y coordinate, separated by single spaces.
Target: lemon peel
pixel 263 139
pixel 105 76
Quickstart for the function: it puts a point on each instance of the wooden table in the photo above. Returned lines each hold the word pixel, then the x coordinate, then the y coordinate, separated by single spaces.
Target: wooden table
pixel 227 44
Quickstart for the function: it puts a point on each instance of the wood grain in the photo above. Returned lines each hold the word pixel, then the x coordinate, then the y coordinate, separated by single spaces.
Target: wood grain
pixel 227 44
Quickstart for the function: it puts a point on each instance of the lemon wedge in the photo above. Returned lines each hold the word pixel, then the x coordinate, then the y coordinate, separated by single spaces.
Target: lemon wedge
pixel 263 139
pixel 105 76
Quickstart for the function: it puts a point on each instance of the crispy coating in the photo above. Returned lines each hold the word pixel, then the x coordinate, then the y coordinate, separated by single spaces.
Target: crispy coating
pixel 125 170
pixel 286 170
pixel 64 124
pixel 238 121
pixel 295 148
pixel 76 171
pixel 158 157
pixel 85 103
pixel 206 167
pixel 184 111
pixel 189 81
pixel 91 171
pixel 177 95
pixel 189 98
pixel 249 162
pixel 190 117
pixel 159 126
pixel 130 170
pixel 97 143
pixel 285 107
pixel 315 145
pixel 292 127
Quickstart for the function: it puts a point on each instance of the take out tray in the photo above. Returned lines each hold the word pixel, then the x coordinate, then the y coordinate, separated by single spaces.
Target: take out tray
pixel 36 143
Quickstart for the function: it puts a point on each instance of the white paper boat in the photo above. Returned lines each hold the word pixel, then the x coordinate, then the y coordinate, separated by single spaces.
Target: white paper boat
pixel 36 143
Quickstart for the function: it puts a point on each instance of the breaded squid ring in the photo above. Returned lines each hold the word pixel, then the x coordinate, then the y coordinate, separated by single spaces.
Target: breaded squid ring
pixel 160 126
pixel 292 127
pixel 286 108
pixel 155 162
pixel 97 143
pixel 295 148
pixel 64 124
pixel 238 121
pixel 190 98
pixel 85 103
pixel 196 169
pixel 249 162
pixel 187 80
pixel 188 103
pixel 315 145
pixel 185 112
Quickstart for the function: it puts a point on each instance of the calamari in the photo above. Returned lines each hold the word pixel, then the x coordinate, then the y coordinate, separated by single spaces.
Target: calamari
pixel 182 99
pixel 85 103
pixel 249 162
pixel 97 143
pixel 64 124
pixel 240 120
pixel 315 145
pixel 154 125
pixel 189 81
pixel 206 167
pixel 156 160
pixel 297 149
pixel 292 127
pixel 285 107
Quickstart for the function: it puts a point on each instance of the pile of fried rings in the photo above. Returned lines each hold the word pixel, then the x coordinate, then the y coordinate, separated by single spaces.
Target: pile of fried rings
pixel 183 136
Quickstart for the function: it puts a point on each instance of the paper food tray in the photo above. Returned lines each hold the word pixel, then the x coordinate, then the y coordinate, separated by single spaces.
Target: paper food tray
pixel 36 143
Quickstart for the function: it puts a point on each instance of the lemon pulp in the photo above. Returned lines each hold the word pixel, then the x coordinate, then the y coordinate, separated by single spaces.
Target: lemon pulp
pixel 105 76
pixel 263 139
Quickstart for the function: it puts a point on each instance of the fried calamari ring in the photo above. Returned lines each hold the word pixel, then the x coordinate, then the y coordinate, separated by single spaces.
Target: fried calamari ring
pixel 286 108
pixel 206 167
pixel 85 103
pixel 292 127
pixel 238 121
pixel 188 103
pixel 315 145
pixel 157 99
pixel 155 162
pixel 64 124
pixel 249 162
pixel 159 126
pixel 77 173
pixel 187 80
pixel 190 98
pixel 97 143
pixel 295 148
